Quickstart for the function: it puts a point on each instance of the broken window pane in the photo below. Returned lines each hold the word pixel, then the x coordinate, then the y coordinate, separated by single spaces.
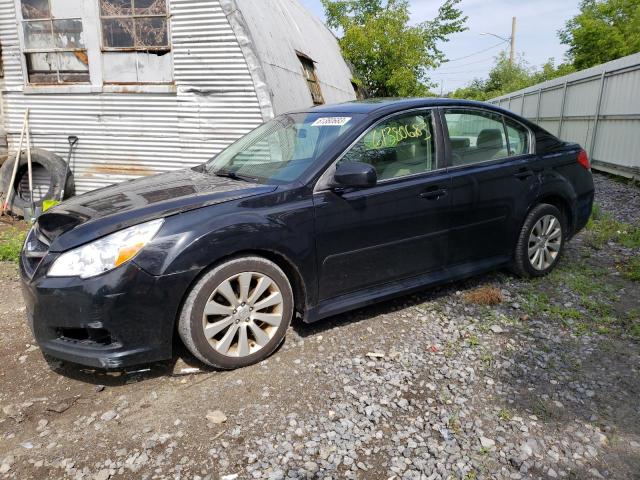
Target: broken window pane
pixel 37 35
pixel 115 8
pixel 151 32
pixel 150 7
pixel 42 67
pixel 73 61
pixel 118 32
pixel 74 67
pixel 58 67
pixel 33 9
pixel 68 33
pixel 309 71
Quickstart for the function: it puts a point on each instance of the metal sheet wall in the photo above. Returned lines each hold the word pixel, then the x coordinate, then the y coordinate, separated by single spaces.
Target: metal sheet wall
pixel 126 135
pixel 598 108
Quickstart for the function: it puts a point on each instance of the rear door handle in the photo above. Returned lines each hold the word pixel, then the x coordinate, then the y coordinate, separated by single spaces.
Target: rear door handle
pixel 523 173
pixel 434 194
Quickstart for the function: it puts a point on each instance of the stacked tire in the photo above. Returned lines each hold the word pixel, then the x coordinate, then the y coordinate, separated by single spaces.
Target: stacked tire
pixel 59 178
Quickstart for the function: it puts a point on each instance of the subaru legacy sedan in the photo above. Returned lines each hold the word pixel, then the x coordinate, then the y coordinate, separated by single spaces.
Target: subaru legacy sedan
pixel 311 214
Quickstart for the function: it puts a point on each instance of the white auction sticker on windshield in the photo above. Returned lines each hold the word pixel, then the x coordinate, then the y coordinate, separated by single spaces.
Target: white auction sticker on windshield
pixel 331 122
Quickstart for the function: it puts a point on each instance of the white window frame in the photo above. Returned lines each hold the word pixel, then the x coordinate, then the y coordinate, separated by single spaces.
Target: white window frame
pixel 134 17
pixel 89 13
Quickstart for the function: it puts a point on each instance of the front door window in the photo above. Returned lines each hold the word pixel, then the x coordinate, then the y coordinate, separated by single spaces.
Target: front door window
pixel 398 147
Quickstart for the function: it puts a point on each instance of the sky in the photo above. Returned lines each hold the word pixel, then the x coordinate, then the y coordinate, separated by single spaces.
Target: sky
pixel 536 35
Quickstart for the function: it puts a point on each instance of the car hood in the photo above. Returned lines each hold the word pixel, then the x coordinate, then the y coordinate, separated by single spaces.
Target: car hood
pixel 90 216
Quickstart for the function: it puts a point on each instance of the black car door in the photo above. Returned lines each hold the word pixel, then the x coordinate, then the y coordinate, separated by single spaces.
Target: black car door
pixel 397 228
pixel 493 181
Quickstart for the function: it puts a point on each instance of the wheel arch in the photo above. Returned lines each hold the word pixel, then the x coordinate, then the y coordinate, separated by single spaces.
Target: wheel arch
pixel 561 203
pixel 298 286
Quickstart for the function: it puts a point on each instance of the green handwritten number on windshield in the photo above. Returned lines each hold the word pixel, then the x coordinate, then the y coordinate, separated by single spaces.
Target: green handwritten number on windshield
pixel 389 137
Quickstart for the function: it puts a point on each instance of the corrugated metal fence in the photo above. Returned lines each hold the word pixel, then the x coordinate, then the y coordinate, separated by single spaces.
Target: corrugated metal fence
pixel 598 108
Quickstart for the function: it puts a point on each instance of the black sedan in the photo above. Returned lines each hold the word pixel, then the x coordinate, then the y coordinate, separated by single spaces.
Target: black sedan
pixel 311 214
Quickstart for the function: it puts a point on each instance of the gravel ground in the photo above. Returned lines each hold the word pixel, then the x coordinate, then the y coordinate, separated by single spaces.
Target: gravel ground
pixel 544 384
pixel 619 198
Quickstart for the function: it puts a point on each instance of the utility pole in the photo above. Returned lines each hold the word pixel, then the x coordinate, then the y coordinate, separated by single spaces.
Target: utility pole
pixel 511 40
pixel 512 54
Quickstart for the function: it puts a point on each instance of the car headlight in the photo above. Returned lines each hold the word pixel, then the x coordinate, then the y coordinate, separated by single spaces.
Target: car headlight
pixel 106 253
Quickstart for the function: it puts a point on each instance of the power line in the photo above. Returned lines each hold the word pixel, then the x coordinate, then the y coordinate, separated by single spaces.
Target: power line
pixel 476 53
pixel 458 73
pixel 482 60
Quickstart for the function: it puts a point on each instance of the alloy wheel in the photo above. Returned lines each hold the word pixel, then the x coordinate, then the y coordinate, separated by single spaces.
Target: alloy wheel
pixel 545 242
pixel 243 314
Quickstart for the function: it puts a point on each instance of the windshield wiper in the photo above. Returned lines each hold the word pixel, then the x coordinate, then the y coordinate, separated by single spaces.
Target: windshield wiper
pixel 231 175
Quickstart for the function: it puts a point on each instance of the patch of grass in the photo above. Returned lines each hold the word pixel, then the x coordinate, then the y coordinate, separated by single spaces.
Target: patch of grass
pixel 451 350
pixel 631 323
pixel 487 359
pixel 597 292
pixel 11 241
pixel 473 341
pixel 603 228
pixel 505 414
pixel 541 411
pixel 564 313
pixel 485 295
pixel 454 424
pixel 634 331
pixel 631 270
pixel 580 277
pixel 535 302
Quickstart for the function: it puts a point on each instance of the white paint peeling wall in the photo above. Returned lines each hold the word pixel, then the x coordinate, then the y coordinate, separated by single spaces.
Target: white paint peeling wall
pixel 126 135
pixel 305 33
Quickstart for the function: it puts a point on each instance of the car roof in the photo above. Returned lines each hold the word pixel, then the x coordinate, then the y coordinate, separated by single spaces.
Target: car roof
pixel 390 105
pixel 380 107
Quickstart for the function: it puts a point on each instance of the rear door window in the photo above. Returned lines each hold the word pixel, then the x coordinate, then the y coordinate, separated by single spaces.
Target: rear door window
pixel 476 136
pixel 518 137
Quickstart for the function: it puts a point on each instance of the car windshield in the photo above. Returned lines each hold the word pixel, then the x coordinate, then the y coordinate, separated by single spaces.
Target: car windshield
pixel 281 150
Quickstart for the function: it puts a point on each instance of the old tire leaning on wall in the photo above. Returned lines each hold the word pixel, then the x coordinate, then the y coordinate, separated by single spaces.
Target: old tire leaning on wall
pixel 49 178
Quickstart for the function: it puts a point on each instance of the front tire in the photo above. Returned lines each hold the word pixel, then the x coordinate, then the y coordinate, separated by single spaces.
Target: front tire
pixel 540 242
pixel 238 313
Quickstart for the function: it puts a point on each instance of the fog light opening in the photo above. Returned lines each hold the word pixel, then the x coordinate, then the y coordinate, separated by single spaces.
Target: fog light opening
pixel 89 336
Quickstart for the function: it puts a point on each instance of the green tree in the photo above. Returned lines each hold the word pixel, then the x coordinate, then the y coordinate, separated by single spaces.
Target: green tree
pixel 390 57
pixel 603 31
pixel 505 77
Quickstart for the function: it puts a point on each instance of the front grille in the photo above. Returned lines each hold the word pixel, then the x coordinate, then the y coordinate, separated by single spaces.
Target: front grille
pixel 35 249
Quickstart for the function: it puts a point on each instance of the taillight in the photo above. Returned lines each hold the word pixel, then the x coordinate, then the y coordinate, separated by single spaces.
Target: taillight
pixel 583 159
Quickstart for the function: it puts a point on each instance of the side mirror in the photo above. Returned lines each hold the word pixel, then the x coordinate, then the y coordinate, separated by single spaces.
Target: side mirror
pixel 355 174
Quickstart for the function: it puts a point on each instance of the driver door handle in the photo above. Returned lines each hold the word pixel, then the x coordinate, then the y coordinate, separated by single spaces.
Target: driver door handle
pixel 434 193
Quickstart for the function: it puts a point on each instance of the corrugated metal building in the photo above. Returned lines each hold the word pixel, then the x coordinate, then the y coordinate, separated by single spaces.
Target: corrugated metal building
pixel 598 108
pixel 154 85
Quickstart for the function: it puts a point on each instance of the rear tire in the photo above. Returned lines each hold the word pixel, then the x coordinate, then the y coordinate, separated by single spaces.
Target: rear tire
pixel 238 313
pixel 541 241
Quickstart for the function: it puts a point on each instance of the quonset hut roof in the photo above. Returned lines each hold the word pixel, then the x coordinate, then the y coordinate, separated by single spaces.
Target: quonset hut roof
pixel 270 33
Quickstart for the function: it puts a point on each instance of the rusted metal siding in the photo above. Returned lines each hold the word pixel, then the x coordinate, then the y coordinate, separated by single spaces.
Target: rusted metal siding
pixel 126 135
pixel 598 108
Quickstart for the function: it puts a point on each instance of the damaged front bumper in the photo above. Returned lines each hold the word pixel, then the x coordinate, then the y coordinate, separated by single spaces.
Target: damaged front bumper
pixel 122 318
